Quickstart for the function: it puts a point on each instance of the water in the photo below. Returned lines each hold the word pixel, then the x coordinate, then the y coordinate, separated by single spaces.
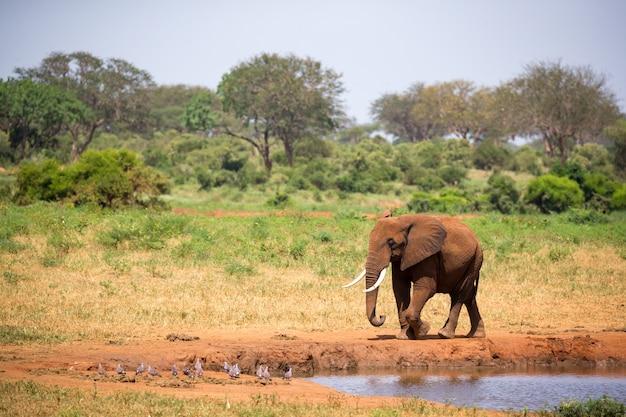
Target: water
pixel 490 389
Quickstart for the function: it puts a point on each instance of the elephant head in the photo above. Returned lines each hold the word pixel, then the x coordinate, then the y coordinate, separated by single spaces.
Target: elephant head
pixel 408 240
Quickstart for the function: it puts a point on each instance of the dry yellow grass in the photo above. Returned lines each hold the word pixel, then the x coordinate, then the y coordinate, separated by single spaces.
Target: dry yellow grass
pixel 92 292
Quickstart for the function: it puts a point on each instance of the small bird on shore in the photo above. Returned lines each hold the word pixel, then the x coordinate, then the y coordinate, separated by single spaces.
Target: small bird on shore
pixel 140 369
pixel 259 371
pixel 101 370
pixel 226 367
pixel 174 370
pixel 266 373
pixel 198 368
pixel 188 372
pixel 152 371
pixel 120 370
pixel 288 374
pixel 234 371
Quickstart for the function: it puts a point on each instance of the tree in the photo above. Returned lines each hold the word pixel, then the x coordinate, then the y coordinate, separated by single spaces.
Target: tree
pixel 282 97
pixel 558 102
pixel 618 134
pixel 34 114
pixel 395 113
pixel 167 105
pixel 114 90
pixel 202 112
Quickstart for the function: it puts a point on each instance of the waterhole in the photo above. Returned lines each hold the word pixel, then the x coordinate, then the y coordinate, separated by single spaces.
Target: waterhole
pixel 491 389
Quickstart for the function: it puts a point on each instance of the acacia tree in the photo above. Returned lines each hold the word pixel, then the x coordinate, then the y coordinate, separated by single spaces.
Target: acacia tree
pixel 464 109
pixel 282 97
pixel 33 114
pixel 395 113
pixel 114 90
pixel 558 102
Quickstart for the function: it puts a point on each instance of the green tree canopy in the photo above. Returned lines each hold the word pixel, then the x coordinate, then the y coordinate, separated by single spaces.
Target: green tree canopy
pixel 202 112
pixel 394 112
pixel 114 90
pixel 562 104
pixel 282 97
pixel 33 114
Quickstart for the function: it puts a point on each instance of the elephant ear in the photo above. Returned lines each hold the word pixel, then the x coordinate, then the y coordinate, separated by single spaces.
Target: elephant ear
pixel 425 236
pixel 384 214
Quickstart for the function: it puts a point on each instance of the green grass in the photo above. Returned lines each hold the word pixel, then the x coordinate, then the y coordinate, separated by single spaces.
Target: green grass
pixel 30 399
pixel 66 271
pixel 27 398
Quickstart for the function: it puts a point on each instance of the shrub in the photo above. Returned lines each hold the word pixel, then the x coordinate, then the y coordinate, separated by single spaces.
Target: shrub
pixel 452 174
pixel 554 194
pixel 429 183
pixel 597 183
pixel 618 200
pixel 447 203
pixel 110 178
pixel 604 406
pixel 502 194
pixel 527 159
pixel 489 155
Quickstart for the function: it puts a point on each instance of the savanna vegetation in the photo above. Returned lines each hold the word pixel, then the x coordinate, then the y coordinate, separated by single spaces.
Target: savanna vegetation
pixel 99 163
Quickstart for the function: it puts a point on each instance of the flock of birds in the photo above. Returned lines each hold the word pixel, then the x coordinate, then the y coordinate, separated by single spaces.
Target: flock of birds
pixel 233 371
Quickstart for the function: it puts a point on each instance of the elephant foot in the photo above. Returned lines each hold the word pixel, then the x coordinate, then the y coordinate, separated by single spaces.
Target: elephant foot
pixel 406 334
pixel 420 328
pixel 423 329
pixel 479 332
pixel 446 334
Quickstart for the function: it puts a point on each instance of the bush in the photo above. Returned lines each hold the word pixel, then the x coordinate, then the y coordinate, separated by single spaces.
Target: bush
pixel 110 178
pixel 502 194
pixel 604 406
pixel 618 201
pixel 489 155
pixel 554 194
pixel 586 217
pixel 452 175
pixel 447 203
pixel 429 183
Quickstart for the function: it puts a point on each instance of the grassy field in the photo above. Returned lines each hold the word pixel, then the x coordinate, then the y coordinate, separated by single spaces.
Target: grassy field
pixel 32 400
pixel 71 274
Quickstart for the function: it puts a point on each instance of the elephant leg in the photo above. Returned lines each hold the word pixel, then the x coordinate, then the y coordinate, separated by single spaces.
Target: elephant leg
pixel 423 290
pixel 402 292
pixel 448 330
pixel 478 327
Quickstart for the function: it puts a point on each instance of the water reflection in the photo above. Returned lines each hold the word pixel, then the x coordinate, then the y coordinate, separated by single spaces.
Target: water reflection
pixel 487 388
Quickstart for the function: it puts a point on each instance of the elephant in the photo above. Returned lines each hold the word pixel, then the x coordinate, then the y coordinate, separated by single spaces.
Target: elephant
pixel 434 254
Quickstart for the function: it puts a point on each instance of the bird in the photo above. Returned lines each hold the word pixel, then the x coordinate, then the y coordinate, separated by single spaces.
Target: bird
pixel 174 370
pixel 266 373
pixel 120 370
pixel 226 367
pixel 259 371
pixel 234 371
pixel 152 371
pixel 288 374
pixel 198 368
pixel 188 372
pixel 101 370
pixel 140 369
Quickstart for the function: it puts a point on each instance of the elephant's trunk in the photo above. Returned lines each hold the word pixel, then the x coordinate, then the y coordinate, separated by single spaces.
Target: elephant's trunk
pixel 373 275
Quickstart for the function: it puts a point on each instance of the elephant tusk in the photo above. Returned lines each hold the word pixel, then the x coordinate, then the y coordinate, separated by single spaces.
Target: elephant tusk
pixel 359 278
pixel 377 283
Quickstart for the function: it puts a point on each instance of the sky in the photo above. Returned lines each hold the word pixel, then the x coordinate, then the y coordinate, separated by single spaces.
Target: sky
pixel 379 47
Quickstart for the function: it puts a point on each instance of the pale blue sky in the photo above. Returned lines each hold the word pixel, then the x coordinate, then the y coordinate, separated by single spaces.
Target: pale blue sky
pixel 378 46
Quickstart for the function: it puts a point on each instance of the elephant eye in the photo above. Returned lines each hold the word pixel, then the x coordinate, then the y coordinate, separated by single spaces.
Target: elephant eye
pixel 391 243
